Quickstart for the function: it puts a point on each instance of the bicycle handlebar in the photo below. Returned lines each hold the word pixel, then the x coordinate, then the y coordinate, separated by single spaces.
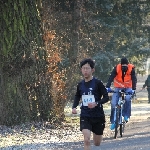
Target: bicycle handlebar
pixel 121 91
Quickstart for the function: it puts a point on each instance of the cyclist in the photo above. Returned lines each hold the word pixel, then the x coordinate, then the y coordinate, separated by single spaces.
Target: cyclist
pixel 93 94
pixel 147 84
pixel 124 78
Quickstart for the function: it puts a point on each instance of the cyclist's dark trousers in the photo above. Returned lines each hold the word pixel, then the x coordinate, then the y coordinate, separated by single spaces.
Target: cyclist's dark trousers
pixel 148 90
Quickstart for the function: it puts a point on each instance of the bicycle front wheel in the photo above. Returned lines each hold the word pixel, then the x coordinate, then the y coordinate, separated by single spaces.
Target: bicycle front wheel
pixel 121 130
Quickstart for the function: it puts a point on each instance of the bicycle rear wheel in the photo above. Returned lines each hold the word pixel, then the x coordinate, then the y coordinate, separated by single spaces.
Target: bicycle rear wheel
pixel 116 123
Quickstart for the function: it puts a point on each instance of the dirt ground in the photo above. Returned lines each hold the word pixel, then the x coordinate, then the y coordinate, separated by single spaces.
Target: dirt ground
pixel 136 137
pixel 44 137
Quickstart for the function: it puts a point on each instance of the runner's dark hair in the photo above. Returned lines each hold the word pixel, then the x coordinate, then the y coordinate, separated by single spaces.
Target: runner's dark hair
pixel 87 61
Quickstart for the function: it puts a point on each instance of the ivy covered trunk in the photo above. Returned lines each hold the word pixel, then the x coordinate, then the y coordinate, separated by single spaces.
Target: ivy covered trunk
pixel 53 42
pixel 23 91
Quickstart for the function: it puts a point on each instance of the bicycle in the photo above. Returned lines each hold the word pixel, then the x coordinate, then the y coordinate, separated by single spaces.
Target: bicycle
pixel 118 118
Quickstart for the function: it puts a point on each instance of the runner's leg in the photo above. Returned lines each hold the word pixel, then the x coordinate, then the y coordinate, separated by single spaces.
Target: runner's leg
pixel 148 90
pixel 97 139
pixel 86 134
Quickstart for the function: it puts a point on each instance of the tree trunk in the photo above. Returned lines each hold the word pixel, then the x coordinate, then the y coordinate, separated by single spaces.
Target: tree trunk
pixel 22 64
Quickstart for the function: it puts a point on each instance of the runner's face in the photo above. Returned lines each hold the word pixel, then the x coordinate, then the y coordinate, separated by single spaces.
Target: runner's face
pixel 87 71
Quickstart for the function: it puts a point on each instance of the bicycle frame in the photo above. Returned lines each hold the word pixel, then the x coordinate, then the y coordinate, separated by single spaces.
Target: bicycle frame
pixel 119 106
pixel 118 118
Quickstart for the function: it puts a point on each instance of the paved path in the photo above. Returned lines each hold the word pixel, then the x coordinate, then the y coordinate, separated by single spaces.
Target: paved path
pixel 136 136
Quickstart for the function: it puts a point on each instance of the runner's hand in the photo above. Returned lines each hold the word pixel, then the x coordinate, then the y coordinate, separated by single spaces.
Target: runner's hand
pixel 92 105
pixel 74 111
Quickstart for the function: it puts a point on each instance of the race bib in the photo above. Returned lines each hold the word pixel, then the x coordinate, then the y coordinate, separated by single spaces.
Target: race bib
pixel 87 99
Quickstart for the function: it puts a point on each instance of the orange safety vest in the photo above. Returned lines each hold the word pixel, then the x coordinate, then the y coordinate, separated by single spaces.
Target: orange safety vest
pixel 118 82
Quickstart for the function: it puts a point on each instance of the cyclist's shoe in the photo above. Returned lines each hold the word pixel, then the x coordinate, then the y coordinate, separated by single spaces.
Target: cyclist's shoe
pixel 112 127
pixel 126 118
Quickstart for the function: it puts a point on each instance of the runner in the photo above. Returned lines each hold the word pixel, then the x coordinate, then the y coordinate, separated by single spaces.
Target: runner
pixel 93 94
pixel 147 84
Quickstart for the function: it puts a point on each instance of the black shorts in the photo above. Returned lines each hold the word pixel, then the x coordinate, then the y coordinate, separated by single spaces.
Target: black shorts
pixel 94 124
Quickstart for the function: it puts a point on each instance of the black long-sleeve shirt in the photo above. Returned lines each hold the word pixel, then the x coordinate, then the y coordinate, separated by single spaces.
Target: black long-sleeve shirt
pixel 147 82
pixel 114 73
pixel 100 94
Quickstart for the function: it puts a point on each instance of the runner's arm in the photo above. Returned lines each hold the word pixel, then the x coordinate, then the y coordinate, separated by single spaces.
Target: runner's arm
pixel 76 98
pixel 145 84
pixel 103 92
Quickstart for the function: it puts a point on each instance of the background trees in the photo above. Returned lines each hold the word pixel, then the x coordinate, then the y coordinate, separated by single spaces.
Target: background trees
pixel 43 42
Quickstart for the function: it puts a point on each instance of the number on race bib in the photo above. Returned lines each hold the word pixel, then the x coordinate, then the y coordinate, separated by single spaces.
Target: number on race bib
pixel 87 99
